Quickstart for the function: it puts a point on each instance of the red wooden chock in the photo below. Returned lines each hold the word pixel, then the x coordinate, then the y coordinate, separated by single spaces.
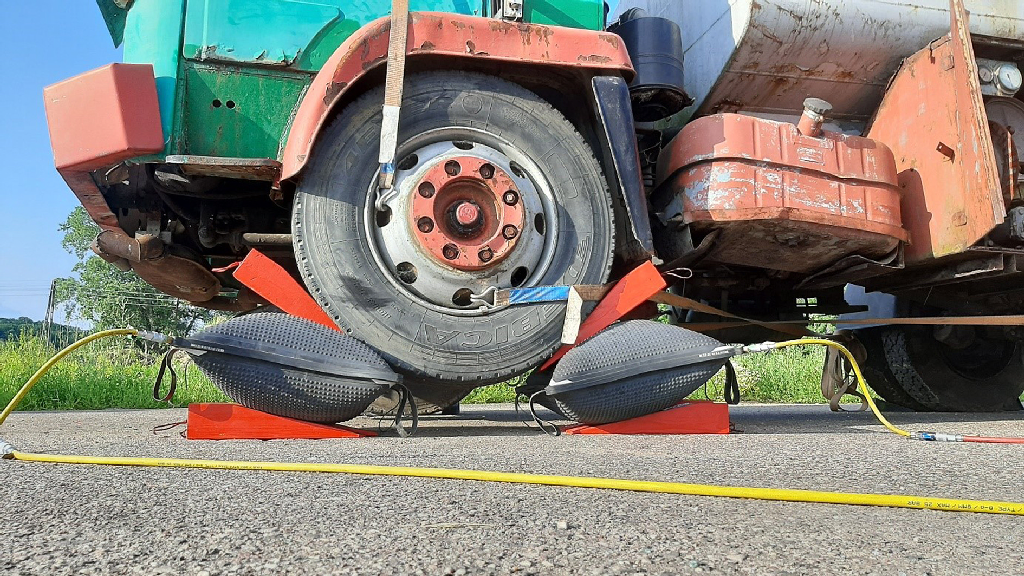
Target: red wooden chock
pixel 695 417
pixel 633 290
pixel 268 279
pixel 233 422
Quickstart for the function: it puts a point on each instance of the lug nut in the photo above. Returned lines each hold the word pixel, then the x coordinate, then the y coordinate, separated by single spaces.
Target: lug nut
pixel 450 251
pixel 487 171
pixel 425 224
pixel 486 255
pixel 509 232
pixel 452 168
pixel 510 197
pixel 426 189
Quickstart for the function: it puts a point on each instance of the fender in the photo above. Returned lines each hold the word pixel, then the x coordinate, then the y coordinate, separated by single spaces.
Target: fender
pixel 446 35
pixel 622 157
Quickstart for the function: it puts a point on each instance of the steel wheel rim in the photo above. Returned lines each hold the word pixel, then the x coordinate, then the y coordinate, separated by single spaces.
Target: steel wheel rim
pixel 434 285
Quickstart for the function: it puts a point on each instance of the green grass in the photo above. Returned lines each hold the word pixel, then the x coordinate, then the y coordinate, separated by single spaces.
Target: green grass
pixel 790 376
pixel 493 394
pixel 92 378
pixel 110 375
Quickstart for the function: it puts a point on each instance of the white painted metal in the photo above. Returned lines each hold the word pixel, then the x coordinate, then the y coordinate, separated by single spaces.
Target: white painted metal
pixel 765 56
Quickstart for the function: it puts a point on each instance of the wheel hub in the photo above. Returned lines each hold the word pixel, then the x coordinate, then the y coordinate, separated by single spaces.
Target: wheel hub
pixel 467 213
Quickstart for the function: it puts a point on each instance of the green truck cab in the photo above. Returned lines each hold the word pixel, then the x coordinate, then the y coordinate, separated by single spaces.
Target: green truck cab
pixel 229 72
pixel 235 125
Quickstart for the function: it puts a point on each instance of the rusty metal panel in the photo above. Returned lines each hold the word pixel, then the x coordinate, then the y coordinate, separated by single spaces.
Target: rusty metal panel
pixel 934 120
pixel 262 169
pixel 766 56
pixel 781 199
pixel 452 36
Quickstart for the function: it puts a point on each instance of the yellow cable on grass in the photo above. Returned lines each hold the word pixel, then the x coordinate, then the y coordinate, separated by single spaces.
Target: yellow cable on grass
pixel 783 495
pixel 56 358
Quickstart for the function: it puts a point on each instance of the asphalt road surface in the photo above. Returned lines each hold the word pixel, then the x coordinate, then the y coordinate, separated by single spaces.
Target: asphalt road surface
pixel 74 519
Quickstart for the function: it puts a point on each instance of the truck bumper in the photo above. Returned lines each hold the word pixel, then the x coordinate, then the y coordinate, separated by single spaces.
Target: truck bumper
pixel 103 117
pixel 99 119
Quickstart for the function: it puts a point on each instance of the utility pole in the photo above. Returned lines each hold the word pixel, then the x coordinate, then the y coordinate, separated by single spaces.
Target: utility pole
pixel 48 319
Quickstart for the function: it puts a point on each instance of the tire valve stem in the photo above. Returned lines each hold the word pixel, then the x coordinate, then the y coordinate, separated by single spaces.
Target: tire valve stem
pixel 936 437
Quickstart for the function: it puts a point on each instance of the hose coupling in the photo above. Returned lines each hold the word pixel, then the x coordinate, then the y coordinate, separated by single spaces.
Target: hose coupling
pixel 6 450
pixel 762 347
pixel 936 437
pixel 155 337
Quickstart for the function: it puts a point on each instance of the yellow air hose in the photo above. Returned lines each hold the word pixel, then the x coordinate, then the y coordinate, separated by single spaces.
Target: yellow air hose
pixel 861 383
pixel 785 495
pixel 57 358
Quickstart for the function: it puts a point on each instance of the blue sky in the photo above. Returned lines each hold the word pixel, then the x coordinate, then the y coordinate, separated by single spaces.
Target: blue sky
pixel 48 41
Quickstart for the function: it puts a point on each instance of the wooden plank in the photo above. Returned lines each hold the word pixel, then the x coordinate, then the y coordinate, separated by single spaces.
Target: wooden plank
pixel 268 279
pixel 633 290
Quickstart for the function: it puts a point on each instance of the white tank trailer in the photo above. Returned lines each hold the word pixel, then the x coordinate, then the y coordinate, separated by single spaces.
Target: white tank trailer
pixel 929 90
pixel 764 57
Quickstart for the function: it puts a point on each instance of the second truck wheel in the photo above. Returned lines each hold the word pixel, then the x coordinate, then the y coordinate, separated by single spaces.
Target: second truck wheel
pixel 910 367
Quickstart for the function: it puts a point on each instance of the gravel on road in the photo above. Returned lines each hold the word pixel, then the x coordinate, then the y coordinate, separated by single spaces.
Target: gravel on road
pixel 75 519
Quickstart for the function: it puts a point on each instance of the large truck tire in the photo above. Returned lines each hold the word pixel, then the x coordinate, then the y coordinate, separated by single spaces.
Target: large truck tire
pixel 404 285
pixel 909 367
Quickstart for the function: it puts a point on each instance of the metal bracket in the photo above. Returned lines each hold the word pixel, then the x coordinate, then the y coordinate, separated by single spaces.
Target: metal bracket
pixel 508 10
pixel 487 299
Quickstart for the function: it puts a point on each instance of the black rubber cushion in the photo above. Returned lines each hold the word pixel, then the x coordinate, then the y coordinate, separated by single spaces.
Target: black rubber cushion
pixel 291 367
pixel 632 345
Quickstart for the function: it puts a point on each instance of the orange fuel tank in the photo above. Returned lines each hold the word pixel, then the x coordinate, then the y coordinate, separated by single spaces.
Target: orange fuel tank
pixel 779 198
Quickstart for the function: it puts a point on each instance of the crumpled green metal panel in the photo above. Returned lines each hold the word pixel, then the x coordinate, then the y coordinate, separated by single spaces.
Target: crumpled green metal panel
pixel 303 34
pixel 258 55
pixel 246 63
pixel 287 33
pixel 114 16
pixel 236 111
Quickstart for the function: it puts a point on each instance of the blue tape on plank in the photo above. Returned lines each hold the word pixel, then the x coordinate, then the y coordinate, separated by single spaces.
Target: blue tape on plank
pixel 538 294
